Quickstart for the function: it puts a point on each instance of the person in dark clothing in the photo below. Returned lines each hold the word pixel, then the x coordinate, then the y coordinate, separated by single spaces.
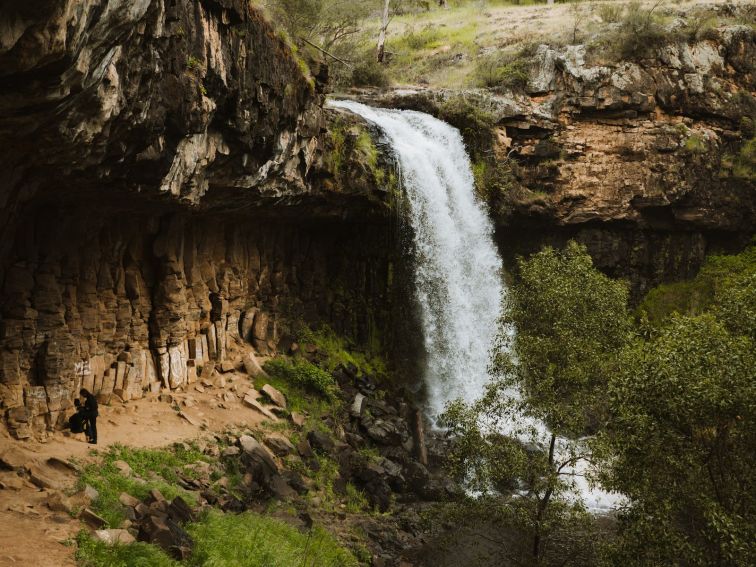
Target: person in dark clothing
pixel 77 422
pixel 90 413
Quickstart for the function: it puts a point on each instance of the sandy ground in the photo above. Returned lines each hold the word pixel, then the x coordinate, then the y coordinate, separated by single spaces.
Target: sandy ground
pixel 30 533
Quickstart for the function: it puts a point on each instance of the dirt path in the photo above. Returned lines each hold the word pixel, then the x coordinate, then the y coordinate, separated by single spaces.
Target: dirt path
pixel 33 535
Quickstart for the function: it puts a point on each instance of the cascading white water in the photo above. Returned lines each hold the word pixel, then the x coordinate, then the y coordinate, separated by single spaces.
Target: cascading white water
pixel 458 282
pixel 458 279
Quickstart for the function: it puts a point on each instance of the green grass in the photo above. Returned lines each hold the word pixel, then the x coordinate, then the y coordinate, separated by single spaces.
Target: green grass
pixel 156 467
pixel 93 553
pixel 340 351
pixel 304 375
pixel 252 540
pixel 227 540
pixel 356 502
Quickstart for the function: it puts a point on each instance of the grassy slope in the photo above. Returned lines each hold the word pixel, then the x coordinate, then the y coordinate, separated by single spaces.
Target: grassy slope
pixel 440 47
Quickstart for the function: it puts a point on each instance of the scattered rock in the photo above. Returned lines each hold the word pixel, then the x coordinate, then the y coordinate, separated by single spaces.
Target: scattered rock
pixel 305 449
pixel 90 493
pixel 88 516
pixel 227 366
pixel 252 367
pixel 13 458
pixel 259 454
pixel 123 467
pixel 58 502
pixel 280 488
pixel 230 451
pixel 274 395
pixel 111 537
pixel 63 466
pixel 254 404
pixel 40 478
pixel 320 441
pixel 357 405
pixel 382 431
pixel 190 418
pixel 298 419
pixel 128 500
pixel 279 444
pixel 179 511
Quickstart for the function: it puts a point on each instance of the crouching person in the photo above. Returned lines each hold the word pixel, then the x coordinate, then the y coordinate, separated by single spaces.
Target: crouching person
pixel 90 414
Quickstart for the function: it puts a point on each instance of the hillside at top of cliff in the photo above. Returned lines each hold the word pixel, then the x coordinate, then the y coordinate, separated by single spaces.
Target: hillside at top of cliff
pixel 490 43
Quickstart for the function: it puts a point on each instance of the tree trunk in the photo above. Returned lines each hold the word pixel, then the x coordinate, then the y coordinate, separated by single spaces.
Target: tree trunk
pixel 543 504
pixel 442 4
pixel 382 36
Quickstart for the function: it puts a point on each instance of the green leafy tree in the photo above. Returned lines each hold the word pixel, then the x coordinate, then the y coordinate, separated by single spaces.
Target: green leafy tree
pixel 564 323
pixel 681 442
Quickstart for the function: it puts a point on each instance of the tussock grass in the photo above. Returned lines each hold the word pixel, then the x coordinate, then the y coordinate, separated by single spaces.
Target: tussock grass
pixel 93 553
pixel 252 540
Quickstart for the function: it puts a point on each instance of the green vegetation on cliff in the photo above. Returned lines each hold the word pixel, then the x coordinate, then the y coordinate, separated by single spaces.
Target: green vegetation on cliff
pixel 718 278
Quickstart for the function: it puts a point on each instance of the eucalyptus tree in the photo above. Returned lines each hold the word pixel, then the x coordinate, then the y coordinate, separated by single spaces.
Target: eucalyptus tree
pixel 519 447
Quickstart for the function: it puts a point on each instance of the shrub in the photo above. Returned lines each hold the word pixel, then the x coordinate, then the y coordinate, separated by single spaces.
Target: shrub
pixel 501 70
pixel 474 122
pixel 640 33
pixel 302 374
pixel 252 540
pixel 426 37
pixel 697 296
pixel 744 166
pixel 369 73
pixel 611 12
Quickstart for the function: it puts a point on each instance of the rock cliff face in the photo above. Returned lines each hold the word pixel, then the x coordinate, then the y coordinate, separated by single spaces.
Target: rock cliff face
pixel 167 189
pixel 634 158
pixel 170 185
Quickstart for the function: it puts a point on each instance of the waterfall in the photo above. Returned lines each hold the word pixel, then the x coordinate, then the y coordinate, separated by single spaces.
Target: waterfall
pixel 458 271
pixel 458 284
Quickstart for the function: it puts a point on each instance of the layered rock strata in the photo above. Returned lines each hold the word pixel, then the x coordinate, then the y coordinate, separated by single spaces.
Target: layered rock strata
pixel 167 188
pixel 634 158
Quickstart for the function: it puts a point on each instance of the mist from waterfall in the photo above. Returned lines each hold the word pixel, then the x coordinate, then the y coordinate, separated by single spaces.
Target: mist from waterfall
pixel 457 268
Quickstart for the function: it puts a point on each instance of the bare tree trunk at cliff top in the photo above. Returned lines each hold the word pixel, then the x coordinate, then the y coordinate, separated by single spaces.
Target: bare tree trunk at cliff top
pixel 382 35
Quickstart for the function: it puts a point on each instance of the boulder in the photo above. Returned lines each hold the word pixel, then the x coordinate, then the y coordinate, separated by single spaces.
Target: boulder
pixel 298 419
pixel 123 467
pixel 88 516
pixel 230 451
pixel 274 395
pixel 252 367
pixel 260 455
pixel 320 441
pixel 251 402
pixel 279 444
pixel 111 537
pixel 128 500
